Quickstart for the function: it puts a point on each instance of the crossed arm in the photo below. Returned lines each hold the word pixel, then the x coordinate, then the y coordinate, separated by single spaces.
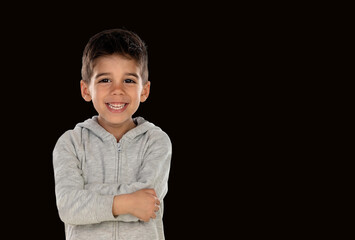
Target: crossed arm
pixel 80 203
pixel 142 204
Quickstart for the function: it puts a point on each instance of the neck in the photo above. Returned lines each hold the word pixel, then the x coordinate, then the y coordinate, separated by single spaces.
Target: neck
pixel 117 130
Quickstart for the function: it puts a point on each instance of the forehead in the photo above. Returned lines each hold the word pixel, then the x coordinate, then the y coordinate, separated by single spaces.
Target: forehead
pixel 115 63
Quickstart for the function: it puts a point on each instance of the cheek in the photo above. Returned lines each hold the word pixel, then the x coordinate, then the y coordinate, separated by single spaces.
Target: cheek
pixel 98 92
pixel 96 96
pixel 139 95
pixel 135 94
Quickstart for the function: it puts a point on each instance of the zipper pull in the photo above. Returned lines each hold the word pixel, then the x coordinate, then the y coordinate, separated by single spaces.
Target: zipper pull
pixel 119 146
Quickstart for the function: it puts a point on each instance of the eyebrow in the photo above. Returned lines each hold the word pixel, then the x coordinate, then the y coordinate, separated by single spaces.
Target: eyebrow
pixel 127 74
pixel 132 74
pixel 101 74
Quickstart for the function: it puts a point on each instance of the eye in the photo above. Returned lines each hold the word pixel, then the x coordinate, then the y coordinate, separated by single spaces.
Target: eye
pixel 129 81
pixel 104 80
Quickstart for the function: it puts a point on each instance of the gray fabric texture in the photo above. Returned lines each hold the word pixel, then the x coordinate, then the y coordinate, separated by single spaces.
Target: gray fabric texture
pixel 90 168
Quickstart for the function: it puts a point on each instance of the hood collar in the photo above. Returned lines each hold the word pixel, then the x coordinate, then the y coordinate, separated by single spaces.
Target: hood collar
pixel 93 125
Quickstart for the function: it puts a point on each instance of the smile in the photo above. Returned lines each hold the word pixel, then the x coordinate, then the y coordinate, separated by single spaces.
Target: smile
pixel 116 107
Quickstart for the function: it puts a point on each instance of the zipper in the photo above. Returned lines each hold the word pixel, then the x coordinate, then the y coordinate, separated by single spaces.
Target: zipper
pixel 118 159
pixel 116 224
pixel 119 146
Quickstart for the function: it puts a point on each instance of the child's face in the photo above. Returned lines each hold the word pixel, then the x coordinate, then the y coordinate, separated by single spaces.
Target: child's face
pixel 116 89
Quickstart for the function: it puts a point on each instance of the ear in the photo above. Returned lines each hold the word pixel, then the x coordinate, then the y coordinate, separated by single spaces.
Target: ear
pixel 145 92
pixel 85 93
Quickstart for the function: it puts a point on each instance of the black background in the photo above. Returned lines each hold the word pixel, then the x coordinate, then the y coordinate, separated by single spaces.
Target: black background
pixel 199 71
pixel 230 85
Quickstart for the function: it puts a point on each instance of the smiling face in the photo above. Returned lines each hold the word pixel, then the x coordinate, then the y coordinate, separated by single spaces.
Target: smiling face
pixel 116 90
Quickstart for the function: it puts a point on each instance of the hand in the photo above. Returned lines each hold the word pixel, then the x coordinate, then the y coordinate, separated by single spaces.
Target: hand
pixel 143 204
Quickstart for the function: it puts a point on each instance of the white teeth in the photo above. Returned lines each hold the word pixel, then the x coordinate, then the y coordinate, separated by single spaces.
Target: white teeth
pixel 116 106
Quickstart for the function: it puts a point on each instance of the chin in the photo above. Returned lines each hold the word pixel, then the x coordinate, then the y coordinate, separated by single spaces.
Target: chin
pixel 115 120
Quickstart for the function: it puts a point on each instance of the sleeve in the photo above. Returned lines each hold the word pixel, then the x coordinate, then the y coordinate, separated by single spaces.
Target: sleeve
pixel 154 173
pixel 76 205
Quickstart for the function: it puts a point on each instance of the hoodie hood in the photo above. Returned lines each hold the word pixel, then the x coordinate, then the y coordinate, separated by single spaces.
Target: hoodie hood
pixel 93 126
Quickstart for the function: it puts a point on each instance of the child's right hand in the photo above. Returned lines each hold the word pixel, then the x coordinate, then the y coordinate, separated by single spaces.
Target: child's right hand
pixel 143 204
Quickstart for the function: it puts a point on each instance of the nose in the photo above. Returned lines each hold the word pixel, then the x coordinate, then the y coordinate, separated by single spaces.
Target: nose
pixel 117 89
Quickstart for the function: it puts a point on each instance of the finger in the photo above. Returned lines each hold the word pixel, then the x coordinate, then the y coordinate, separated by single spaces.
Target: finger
pixel 154 216
pixel 151 191
pixel 157 202
pixel 156 209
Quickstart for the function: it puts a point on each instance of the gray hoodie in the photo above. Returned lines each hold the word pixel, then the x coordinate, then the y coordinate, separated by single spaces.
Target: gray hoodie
pixel 90 168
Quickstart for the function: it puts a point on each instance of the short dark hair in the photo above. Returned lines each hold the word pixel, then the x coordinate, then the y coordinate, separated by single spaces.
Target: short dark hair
pixel 115 41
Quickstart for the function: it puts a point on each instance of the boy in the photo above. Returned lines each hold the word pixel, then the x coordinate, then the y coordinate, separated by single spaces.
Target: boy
pixel 111 171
